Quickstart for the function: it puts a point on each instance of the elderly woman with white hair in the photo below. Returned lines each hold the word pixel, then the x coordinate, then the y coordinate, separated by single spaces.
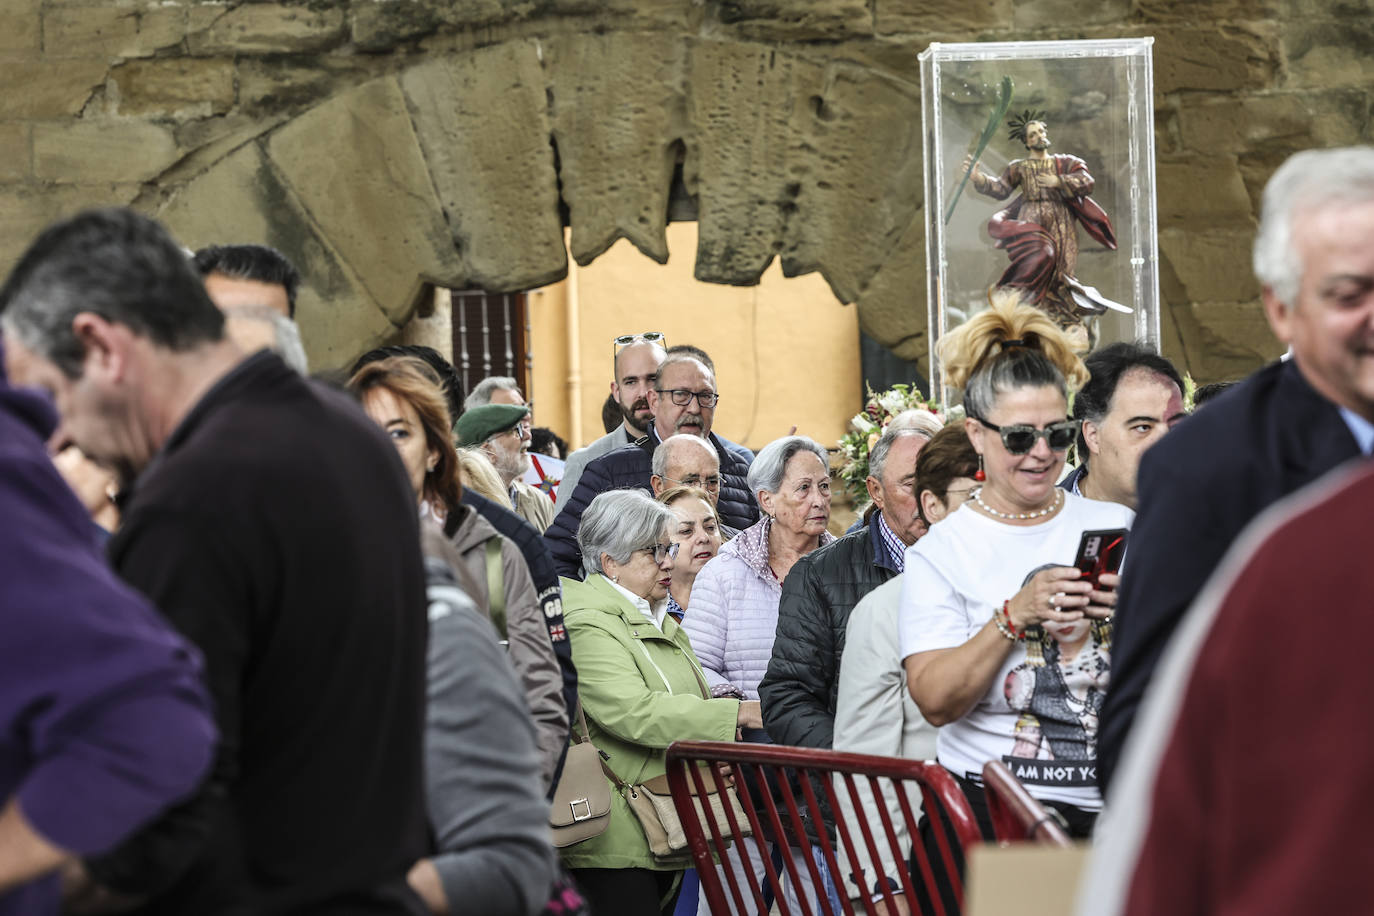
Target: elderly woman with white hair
pixel 734 613
pixel 641 688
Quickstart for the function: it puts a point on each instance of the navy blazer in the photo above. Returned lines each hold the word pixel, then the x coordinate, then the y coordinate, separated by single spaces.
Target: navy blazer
pixel 629 467
pixel 1198 488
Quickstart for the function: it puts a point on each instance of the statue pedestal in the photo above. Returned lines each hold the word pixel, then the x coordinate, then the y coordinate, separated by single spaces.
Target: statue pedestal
pixel 1094 101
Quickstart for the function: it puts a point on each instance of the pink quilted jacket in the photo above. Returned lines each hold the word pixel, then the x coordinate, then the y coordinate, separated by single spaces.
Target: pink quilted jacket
pixel 734 611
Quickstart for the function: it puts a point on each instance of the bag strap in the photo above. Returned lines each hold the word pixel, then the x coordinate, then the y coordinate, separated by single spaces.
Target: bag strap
pixel 496 586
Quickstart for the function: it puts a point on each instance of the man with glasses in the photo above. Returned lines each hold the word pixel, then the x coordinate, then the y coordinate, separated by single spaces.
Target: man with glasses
pixel 682 401
pixel 636 360
pixel 500 431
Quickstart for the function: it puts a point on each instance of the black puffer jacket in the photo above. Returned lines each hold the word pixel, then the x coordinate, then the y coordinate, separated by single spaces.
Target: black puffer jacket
pixel 798 692
pixel 629 467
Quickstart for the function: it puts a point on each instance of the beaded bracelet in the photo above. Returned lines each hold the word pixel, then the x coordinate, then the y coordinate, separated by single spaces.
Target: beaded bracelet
pixel 1002 618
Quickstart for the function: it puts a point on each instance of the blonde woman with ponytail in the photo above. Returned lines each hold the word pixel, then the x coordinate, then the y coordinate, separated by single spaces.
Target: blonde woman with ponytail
pixel 1005 647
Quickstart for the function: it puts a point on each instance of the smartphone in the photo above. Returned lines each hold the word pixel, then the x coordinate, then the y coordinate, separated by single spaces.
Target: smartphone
pixel 1100 552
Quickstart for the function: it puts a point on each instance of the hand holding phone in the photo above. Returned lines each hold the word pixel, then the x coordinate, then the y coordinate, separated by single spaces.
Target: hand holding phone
pixel 1100 552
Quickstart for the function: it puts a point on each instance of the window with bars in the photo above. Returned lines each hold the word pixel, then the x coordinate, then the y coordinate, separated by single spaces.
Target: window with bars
pixel 491 336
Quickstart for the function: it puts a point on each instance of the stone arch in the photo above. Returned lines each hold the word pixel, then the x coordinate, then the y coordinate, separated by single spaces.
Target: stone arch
pixel 462 168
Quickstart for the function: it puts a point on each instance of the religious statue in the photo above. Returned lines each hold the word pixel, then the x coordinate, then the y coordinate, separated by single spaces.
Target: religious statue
pixel 1038 232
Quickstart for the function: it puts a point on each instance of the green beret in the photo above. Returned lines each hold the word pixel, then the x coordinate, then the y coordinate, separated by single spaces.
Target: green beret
pixel 479 424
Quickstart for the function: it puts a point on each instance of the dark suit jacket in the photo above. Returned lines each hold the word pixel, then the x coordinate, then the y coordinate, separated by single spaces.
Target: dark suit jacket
pixel 1198 488
pixel 629 467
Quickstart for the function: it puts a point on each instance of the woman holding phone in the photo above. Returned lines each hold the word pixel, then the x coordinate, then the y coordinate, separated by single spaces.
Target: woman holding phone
pixel 1006 644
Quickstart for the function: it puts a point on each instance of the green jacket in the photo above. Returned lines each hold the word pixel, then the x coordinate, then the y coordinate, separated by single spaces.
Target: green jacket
pixel 622 662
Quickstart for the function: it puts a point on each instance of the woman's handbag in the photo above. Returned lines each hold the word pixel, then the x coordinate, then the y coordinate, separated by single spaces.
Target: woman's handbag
pixel 581 807
pixel 652 801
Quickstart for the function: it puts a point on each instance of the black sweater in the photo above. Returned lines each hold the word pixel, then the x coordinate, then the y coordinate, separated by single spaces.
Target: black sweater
pixel 277 530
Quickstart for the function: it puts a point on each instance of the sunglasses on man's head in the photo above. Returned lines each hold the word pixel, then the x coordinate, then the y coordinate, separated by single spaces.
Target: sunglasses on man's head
pixel 624 340
pixel 1020 439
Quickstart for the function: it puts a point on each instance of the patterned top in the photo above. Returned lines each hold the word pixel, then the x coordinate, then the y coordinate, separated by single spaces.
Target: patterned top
pixel 895 547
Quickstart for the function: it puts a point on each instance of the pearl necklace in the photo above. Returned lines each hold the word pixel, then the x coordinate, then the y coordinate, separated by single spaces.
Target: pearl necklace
pixel 1019 516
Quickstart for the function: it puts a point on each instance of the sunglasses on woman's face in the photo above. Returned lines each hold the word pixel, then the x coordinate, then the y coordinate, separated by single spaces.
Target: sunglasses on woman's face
pixel 1020 439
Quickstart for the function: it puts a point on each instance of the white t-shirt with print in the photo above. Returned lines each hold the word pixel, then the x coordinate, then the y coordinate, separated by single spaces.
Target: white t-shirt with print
pixel 1041 720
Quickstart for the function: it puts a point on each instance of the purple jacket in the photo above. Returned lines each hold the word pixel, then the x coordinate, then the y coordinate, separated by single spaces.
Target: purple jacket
pixel 103 718
pixel 733 615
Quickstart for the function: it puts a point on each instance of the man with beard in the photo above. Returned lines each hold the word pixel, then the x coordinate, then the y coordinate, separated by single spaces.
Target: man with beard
pixel 501 433
pixel 637 357
pixel 1037 230
pixel 683 400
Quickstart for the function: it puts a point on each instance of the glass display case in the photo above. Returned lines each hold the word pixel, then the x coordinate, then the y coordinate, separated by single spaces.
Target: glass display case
pixel 1060 205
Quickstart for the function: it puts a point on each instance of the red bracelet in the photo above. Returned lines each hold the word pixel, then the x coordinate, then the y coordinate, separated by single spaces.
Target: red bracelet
pixel 1006 615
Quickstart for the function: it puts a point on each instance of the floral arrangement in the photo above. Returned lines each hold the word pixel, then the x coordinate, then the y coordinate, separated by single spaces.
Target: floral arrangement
pixel 866 427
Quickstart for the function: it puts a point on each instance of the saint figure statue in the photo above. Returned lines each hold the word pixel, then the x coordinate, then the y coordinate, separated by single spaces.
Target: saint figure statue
pixel 1037 230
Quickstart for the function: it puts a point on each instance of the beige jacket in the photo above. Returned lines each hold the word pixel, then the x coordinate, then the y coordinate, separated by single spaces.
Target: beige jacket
pixel 533 505
pixel 531 652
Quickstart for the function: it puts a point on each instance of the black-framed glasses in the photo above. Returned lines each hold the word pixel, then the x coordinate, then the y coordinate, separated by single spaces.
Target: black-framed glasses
pixel 709 484
pixel 1020 439
pixel 660 551
pixel 655 337
pixel 683 396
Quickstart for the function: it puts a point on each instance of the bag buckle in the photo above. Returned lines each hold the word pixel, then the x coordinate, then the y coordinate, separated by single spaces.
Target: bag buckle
pixel 586 812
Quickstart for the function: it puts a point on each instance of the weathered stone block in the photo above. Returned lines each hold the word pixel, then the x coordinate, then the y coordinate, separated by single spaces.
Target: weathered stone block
pixel 1231 340
pixel 892 308
pixel 1056 15
pixel 241 199
pixel 28 210
pixel 1308 10
pixel 923 17
pixel 197 87
pixel 1327 55
pixel 1210 266
pixel 48 91
pixel 748 107
pixel 15 151
pixel 619 116
pixel 209 140
pixel 20 28
pixel 101 150
pixel 1202 193
pixel 270 28
pixel 1215 10
pixel 111 30
pixel 1213 59
pixel 820 165
pixel 296 82
pixel 799 20
pixel 1294 120
pixel 483 125
pixel 355 165
pixel 377 26
pixel 863 181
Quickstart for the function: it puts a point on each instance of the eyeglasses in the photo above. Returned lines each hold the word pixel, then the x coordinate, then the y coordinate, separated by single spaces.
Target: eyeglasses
pixel 515 430
pixel 1020 439
pixel 709 484
pixel 682 396
pixel 624 340
pixel 660 551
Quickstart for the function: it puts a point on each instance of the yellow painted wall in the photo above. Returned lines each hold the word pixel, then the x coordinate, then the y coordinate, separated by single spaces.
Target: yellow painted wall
pixel 786 351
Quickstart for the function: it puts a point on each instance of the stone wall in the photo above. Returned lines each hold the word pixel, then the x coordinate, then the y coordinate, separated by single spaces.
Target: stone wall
pixel 386 143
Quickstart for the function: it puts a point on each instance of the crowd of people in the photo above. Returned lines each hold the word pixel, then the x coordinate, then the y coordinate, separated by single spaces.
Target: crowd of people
pixel 283 644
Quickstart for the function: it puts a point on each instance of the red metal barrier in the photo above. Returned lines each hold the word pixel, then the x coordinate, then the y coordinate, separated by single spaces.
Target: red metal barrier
pixel 817 772
pixel 1015 814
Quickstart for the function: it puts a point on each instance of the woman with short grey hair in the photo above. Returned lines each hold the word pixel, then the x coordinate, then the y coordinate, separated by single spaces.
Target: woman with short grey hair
pixel 734 613
pixel 641 688
pixel 617 523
